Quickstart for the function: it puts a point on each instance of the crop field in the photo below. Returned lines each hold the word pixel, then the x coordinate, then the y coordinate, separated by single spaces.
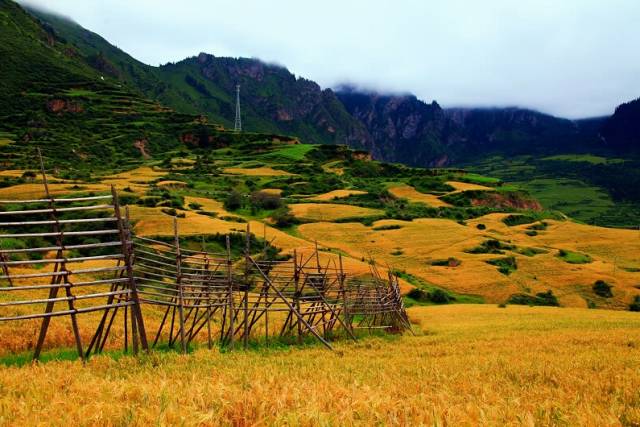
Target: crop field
pixel 467 186
pixel 411 194
pixel 330 211
pixel 415 246
pixel 468 365
pixel 336 194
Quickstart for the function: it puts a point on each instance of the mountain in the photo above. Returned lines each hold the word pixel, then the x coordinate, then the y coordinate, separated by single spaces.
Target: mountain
pixel 62 99
pixel 397 128
pixel 408 130
pixel 622 130
pixel 273 99
pixel 403 128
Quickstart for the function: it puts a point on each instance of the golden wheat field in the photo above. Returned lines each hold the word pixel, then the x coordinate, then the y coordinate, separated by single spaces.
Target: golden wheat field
pixel 330 211
pixel 415 245
pixel 413 195
pixel 468 365
pixel 337 194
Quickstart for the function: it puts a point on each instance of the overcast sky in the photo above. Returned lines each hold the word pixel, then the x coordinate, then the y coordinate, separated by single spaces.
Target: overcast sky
pixel 571 58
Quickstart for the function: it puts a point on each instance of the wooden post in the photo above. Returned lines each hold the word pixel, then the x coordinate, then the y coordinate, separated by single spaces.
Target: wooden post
pixel 266 309
pixel 317 257
pixel 231 295
pixel 56 279
pixel 124 230
pixel 343 289
pixel 247 254
pixel 205 275
pixel 5 268
pixel 296 294
pixel 179 284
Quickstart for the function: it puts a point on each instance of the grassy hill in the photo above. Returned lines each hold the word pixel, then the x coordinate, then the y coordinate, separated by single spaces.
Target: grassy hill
pixel 82 118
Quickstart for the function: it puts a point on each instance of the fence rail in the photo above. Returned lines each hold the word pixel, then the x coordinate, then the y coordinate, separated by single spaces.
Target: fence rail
pixel 196 295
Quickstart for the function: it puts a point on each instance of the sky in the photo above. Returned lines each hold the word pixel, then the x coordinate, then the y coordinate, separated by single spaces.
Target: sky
pixel 570 58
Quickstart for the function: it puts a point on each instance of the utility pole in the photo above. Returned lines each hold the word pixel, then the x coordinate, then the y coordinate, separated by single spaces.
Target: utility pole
pixel 238 124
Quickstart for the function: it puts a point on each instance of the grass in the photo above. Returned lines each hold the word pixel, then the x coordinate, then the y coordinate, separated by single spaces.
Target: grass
pixel 574 257
pixel 259 171
pixel 472 364
pixel 295 152
pixel 584 158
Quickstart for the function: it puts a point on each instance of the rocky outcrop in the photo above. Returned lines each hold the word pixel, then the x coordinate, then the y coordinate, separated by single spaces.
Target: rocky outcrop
pixel 60 106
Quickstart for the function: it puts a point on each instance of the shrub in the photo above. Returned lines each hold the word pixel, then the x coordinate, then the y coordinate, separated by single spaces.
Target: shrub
pixel 541 298
pixel 233 202
pixel 261 200
pixel 436 296
pixel 439 296
pixel 418 294
pixel 635 305
pixel 490 246
pixel 195 206
pixel 602 288
pixel 283 217
pixel 513 220
pixel 505 265
pixel 449 262
pixel 481 227
pixel 173 212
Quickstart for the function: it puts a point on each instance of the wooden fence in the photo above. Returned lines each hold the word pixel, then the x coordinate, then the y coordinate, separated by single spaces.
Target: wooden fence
pixel 70 256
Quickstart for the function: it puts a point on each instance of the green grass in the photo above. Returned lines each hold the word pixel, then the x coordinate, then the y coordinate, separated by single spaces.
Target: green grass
pixel 586 158
pixel 574 257
pixel 573 184
pixel 475 178
pixel 428 287
pixel 294 152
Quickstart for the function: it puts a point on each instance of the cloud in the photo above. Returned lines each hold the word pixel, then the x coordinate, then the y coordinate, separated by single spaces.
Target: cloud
pixel 573 58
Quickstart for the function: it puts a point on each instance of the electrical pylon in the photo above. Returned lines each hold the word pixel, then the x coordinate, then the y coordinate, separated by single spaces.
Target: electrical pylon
pixel 238 124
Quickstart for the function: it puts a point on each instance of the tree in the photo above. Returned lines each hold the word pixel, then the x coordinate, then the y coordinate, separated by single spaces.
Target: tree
pixel 233 201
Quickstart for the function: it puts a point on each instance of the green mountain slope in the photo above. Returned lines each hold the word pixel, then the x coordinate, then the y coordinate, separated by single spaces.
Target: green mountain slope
pixel 273 99
pixel 53 98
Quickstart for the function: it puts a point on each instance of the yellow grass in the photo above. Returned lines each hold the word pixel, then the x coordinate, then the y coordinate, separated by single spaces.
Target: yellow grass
pixel 275 191
pixel 263 171
pixel 474 365
pixel 465 186
pixel 170 183
pixel 136 179
pixel 36 190
pixel 152 222
pixel 11 173
pixel 411 194
pixel 336 194
pixel 329 211
pixel 424 240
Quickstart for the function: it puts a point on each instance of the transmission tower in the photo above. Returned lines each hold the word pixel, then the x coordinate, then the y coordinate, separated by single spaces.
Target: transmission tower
pixel 238 124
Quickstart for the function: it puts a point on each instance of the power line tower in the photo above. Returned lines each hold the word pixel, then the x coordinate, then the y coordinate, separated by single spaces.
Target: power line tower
pixel 238 124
